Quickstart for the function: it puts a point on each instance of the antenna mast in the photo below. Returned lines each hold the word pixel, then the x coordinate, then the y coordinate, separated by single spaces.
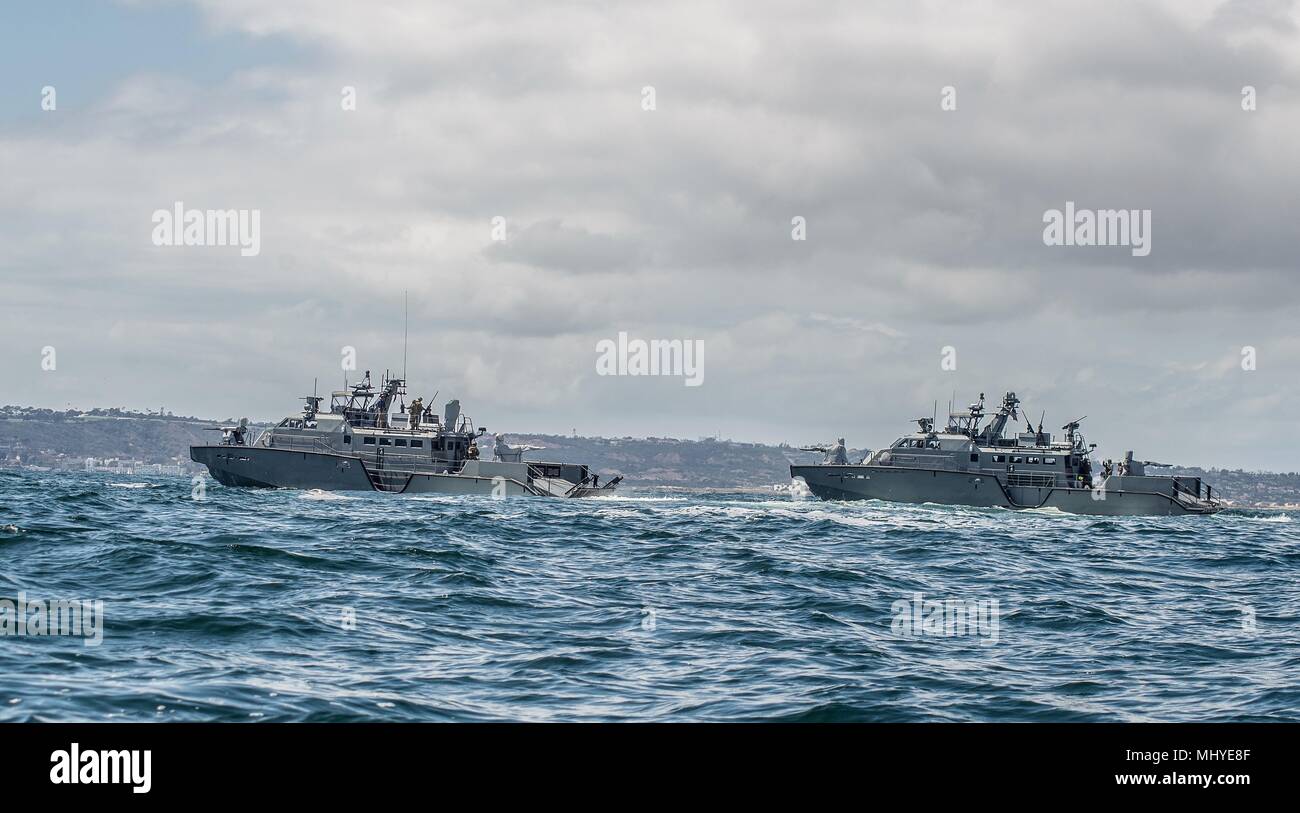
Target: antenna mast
pixel 406 327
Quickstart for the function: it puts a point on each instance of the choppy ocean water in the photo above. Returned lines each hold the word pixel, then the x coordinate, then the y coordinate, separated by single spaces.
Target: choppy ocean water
pixel 291 605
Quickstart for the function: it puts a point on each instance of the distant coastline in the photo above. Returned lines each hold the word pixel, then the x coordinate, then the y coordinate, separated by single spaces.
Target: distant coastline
pixel 131 442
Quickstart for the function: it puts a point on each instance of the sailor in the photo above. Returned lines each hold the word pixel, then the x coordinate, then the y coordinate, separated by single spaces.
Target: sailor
pixel 838 455
pixel 595 481
pixel 416 411
pixel 1107 466
pixel 472 451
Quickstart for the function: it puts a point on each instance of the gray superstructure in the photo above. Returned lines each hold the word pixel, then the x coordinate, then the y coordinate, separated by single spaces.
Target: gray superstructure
pixel 969 464
pixel 359 446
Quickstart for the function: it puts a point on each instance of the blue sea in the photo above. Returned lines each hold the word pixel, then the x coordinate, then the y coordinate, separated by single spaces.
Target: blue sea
pixel 254 605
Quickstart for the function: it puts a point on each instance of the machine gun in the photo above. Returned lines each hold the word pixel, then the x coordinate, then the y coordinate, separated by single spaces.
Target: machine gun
pixel 833 454
pixel 1071 428
pixel 1137 468
pixel 232 435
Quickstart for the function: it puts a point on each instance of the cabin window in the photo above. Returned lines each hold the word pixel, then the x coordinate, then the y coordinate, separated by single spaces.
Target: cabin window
pixel 1035 460
pixel 1017 459
pixel 999 458
pixel 368 441
pixel 1051 461
pixel 385 441
pixel 347 439
pixel 974 457
pixel 401 441
pixel 417 444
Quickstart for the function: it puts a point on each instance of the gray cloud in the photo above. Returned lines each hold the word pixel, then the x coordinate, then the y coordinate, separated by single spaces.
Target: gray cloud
pixel 552 246
pixel 924 226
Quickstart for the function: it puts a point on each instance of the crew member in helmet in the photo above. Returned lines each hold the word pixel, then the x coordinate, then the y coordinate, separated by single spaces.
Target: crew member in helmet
pixel 838 455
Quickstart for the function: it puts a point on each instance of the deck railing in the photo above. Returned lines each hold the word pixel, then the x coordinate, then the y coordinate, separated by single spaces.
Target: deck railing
pixel 1035 480
pixel 1191 486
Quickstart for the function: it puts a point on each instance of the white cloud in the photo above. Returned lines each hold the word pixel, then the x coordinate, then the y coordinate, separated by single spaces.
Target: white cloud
pixel 924 227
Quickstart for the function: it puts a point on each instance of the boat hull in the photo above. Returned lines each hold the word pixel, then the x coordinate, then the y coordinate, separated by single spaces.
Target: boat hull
pixel 263 467
pixel 981 490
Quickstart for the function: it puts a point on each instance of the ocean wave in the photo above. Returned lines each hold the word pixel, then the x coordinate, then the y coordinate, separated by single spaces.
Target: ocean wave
pixel 1257 518
pixel 439 607
pixel 318 494
pixel 615 497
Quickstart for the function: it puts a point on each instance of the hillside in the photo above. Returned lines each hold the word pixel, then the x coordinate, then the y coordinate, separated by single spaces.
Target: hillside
pixel 57 438
pixel 705 463
pixel 65 439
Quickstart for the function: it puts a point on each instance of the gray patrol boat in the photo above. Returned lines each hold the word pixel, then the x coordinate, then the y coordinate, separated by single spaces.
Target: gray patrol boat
pixel 966 464
pixel 359 446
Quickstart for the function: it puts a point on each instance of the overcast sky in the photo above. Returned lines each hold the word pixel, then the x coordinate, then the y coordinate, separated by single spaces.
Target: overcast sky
pixel 924 225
